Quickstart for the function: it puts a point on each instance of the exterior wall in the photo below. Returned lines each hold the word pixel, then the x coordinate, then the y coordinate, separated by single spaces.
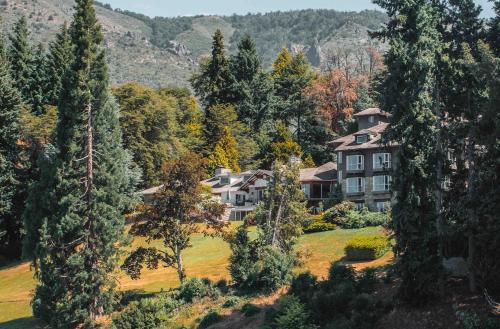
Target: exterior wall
pixel 363 122
pixel 369 197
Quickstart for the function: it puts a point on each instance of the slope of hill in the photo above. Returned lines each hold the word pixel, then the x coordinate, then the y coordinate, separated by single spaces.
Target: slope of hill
pixel 164 51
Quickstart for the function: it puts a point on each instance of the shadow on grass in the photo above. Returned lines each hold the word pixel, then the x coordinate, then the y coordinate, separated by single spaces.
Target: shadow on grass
pixel 23 323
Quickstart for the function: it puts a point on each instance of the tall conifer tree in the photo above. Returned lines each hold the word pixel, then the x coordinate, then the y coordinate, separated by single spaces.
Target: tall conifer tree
pixel 58 62
pixel 91 189
pixel 21 58
pixel 494 31
pixel 410 90
pixel 10 106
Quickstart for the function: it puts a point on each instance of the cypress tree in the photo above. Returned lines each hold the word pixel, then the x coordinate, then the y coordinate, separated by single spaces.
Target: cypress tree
pixel 10 106
pixel 82 233
pixel 410 89
pixel 21 58
pixel 58 62
pixel 214 83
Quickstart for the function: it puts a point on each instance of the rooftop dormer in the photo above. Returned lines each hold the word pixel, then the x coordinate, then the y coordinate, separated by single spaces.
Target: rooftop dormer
pixel 371 117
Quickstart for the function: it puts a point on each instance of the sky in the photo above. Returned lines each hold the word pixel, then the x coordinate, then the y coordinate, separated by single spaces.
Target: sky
pixel 172 8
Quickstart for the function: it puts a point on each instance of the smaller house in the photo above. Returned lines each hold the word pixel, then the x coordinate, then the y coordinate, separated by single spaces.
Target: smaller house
pixel 317 183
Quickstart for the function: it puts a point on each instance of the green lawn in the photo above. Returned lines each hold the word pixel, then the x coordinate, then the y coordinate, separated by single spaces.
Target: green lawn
pixel 207 258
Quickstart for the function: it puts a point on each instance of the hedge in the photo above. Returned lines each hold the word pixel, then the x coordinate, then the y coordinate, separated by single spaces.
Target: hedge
pixel 367 247
pixel 319 227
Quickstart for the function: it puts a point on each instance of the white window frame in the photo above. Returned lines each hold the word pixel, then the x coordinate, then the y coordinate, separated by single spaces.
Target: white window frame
pixel 358 165
pixel 386 162
pixel 339 158
pixel 359 187
pixel 386 184
pixel 339 178
pixel 365 139
pixel 371 119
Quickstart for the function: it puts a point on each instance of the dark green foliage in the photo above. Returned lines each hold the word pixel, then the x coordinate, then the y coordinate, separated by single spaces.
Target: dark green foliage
pixel 339 272
pixel 243 256
pixel 315 227
pixel 147 313
pixel 212 317
pixel 21 58
pixel 293 315
pixel 274 269
pixel 57 63
pixel 336 214
pixel 38 88
pixel 367 248
pixel 358 219
pixel 335 197
pixel 367 280
pixel 81 236
pixel 250 310
pixel 302 286
pixel 494 31
pixel 413 63
pixel 194 288
pixel 10 173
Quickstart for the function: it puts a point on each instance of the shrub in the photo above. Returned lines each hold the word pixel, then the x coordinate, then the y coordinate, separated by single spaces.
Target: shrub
pixel 366 282
pixel 339 272
pixel 367 247
pixel 243 257
pixel 293 314
pixel 231 301
pixel 357 219
pixel 194 288
pixel 302 286
pixel 250 310
pixel 145 314
pixel 212 317
pixel 275 269
pixel 337 213
pixel 319 227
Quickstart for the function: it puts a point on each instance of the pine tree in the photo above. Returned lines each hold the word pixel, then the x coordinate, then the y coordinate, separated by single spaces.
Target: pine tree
pixel 246 64
pixel 283 60
pixel 91 190
pixel 10 106
pixel 58 61
pixel 38 82
pixel 494 31
pixel 214 82
pixel 21 58
pixel 409 94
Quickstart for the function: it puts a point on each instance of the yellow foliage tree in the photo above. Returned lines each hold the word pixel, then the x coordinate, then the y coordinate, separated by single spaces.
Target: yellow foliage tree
pixel 284 59
pixel 225 152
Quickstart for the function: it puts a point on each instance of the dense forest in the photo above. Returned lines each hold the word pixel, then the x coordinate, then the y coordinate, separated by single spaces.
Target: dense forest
pixel 74 152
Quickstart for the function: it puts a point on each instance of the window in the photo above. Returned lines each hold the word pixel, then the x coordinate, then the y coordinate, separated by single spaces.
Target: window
pixel 339 178
pixel 361 139
pixel 224 180
pixel 381 205
pixel 381 183
pixel 355 162
pixel 355 184
pixel 371 119
pixel 339 158
pixel 381 160
pixel 360 206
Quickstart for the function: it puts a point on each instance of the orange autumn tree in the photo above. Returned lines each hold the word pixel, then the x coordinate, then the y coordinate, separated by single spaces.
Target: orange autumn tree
pixel 334 94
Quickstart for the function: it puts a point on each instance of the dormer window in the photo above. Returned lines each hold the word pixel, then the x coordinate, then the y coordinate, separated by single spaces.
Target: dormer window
pixel 224 180
pixel 371 119
pixel 361 139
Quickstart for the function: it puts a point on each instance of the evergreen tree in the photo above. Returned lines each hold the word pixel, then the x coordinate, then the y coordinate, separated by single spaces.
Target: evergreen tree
pixel 409 94
pixel 245 65
pixel 21 58
pixel 214 82
pixel 283 60
pixel 10 106
pixel 217 118
pixel 494 31
pixel 282 147
pixel 38 83
pixel 92 188
pixel 58 61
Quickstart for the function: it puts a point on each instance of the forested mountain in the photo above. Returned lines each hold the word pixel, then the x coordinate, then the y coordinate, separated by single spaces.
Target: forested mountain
pixel 163 51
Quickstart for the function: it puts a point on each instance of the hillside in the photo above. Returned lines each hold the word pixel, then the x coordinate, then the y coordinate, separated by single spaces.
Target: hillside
pixel 165 51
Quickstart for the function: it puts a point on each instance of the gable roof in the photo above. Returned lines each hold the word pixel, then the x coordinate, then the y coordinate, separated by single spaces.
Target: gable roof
pixel 348 143
pixel 371 111
pixel 324 173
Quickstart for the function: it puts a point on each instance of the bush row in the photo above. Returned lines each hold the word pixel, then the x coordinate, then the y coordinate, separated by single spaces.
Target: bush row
pixel 367 247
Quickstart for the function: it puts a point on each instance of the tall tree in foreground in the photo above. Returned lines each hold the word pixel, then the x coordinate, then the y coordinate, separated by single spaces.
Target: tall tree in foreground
pixel 494 31
pixel 10 107
pixel 174 215
pixel 89 193
pixel 409 90
pixel 58 62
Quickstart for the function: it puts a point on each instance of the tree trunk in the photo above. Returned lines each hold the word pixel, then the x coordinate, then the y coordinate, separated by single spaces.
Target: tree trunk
pixel 180 265
pixel 472 216
pixel 470 261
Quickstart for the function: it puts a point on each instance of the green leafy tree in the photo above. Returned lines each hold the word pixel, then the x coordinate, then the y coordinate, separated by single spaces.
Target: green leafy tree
pixel 21 58
pixel 57 63
pixel 409 95
pixel 213 83
pixel 10 180
pixel 173 217
pixel 225 154
pixel 282 212
pixel 89 193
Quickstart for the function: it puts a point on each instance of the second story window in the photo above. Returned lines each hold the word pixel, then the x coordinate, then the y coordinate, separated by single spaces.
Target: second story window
pixel 381 183
pixel 371 119
pixel 224 180
pixel 381 160
pixel 355 162
pixel 339 158
pixel 355 184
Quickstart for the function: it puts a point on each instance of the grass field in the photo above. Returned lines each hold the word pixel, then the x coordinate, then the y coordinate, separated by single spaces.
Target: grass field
pixel 207 258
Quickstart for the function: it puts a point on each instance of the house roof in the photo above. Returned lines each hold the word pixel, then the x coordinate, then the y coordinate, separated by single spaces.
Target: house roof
pixel 324 173
pixel 258 173
pixel 371 111
pixel 348 143
pixel 150 191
